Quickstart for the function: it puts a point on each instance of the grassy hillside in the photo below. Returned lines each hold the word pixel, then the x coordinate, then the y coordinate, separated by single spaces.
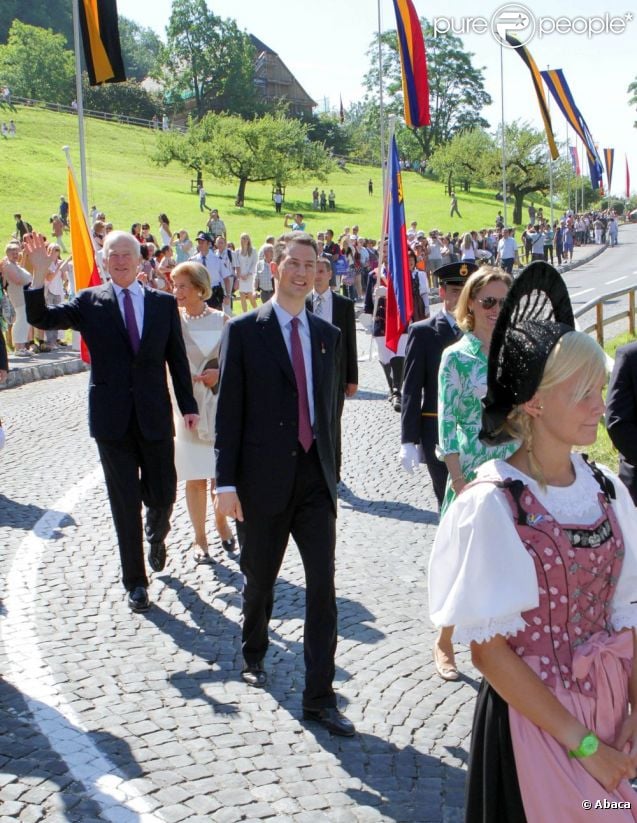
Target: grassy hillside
pixel 129 188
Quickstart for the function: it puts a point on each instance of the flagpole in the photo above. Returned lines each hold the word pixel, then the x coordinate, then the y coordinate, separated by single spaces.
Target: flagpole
pixel 502 127
pixel 551 160
pixel 570 172
pixel 381 103
pixel 79 99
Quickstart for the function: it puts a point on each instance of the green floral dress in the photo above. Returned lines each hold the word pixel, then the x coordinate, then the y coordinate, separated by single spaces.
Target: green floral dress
pixel 462 383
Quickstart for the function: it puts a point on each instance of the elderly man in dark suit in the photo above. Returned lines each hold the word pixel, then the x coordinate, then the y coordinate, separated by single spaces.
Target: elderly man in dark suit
pixel 339 311
pixel 132 334
pixel 276 466
pixel 621 414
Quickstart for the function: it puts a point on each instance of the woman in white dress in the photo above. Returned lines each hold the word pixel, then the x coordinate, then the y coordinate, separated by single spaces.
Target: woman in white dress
pixel 247 259
pixel 194 450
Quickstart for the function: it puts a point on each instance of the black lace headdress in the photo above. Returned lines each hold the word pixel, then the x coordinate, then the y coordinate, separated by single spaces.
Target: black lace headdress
pixel 536 313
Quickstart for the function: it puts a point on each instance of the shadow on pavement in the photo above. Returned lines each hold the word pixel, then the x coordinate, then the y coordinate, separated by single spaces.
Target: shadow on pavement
pixel 19 515
pixel 28 754
pixel 393 509
pixel 401 783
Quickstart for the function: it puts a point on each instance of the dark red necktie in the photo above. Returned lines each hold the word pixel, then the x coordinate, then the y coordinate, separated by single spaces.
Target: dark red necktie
pixel 306 438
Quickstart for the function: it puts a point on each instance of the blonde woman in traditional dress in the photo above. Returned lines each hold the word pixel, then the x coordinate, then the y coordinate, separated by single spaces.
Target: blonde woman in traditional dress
pixel 194 450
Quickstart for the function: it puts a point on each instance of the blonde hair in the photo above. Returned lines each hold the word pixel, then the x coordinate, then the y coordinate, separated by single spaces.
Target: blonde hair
pixel 198 276
pixel 246 237
pixel 472 288
pixel 574 352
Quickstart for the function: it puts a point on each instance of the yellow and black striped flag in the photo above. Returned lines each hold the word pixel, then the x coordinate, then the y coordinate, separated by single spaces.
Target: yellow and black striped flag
pixel 100 35
pixel 539 90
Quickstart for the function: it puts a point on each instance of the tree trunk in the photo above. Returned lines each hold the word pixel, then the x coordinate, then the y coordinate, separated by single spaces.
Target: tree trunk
pixel 517 209
pixel 449 184
pixel 242 191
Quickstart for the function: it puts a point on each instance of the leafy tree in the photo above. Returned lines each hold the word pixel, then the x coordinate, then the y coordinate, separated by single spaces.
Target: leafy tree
pixel 228 147
pixel 362 129
pixel 527 164
pixel 140 48
pixel 127 99
pixel 46 14
pixel 461 159
pixel 456 87
pixel 326 129
pixel 207 58
pixel 35 63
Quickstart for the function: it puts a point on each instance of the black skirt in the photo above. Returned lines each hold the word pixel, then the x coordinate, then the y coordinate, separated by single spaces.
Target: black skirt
pixel 493 793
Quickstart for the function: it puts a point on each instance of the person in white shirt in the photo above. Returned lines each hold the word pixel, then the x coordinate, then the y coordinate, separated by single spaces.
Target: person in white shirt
pixel 229 268
pixel 506 251
pixel 209 260
pixel 247 267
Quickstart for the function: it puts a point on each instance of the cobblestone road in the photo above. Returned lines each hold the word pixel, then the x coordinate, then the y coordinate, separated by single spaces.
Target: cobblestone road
pixel 111 716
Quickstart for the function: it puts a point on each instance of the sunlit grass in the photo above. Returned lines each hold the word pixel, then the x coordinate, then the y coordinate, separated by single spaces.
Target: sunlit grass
pixel 124 183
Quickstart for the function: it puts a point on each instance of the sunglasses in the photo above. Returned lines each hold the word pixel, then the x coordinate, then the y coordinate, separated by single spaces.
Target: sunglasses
pixel 489 302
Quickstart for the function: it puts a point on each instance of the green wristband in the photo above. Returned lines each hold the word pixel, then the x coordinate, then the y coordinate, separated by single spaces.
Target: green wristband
pixel 588 746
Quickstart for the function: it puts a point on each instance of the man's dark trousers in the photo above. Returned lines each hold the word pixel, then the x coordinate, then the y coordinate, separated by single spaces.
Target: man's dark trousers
pixel 310 520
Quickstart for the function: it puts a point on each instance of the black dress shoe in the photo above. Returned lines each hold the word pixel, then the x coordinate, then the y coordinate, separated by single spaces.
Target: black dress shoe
pixel 157 556
pixel 333 720
pixel 254 674
pixel 138 599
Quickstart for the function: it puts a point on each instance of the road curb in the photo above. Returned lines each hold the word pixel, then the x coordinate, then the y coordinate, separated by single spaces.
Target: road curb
pixel 30 373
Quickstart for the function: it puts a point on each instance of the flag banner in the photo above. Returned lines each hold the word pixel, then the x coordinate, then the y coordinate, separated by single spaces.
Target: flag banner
pixel 575 160
pixel 85 271
pixel 557 85
pixel 627 179
pixel 413 64
pixel 399 294
pixel 609 160
pixel 100 38
pixel 539 91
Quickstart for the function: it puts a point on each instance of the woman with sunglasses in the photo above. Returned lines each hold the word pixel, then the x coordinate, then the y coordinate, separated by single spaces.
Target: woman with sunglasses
pixel 462 383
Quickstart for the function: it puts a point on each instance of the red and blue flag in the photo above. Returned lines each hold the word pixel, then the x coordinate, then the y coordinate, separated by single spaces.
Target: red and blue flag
pixel 413 64
pixel 399 294
pixel 574 160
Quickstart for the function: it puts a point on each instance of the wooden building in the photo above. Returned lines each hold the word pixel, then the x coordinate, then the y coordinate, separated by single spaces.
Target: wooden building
pixel 274 81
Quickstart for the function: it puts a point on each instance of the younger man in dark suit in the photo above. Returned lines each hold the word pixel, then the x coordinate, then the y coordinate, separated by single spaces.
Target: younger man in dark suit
pixel 339 311
pixel 276 469
pixel 132 334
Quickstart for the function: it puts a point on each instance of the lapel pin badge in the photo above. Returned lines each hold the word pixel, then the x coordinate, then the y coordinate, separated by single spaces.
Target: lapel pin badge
pixel 322 347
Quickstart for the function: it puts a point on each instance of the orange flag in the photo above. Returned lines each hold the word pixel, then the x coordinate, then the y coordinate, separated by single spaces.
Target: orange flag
pixel 85 271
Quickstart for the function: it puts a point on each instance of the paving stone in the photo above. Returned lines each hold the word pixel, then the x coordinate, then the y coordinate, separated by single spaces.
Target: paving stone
pixel 160 692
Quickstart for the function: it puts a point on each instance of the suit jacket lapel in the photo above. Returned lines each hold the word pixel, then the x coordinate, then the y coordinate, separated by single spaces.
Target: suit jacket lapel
pixel 149 316
pixel 444 328
pixel 110 301
pixel 318 352
pixel 273 337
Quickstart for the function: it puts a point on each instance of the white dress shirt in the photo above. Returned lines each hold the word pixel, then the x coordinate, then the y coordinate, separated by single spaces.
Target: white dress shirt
pixel 213 266
pixel 137 295
pixel 327 304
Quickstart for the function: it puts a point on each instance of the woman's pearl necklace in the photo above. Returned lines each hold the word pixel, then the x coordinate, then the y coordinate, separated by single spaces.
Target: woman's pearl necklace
pixel 196 316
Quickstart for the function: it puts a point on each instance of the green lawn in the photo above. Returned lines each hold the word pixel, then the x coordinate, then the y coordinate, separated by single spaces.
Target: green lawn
pixel 129 188
pixel 603 450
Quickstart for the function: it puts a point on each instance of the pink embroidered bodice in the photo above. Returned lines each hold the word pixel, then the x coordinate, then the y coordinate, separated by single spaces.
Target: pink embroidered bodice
pixel 577 571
